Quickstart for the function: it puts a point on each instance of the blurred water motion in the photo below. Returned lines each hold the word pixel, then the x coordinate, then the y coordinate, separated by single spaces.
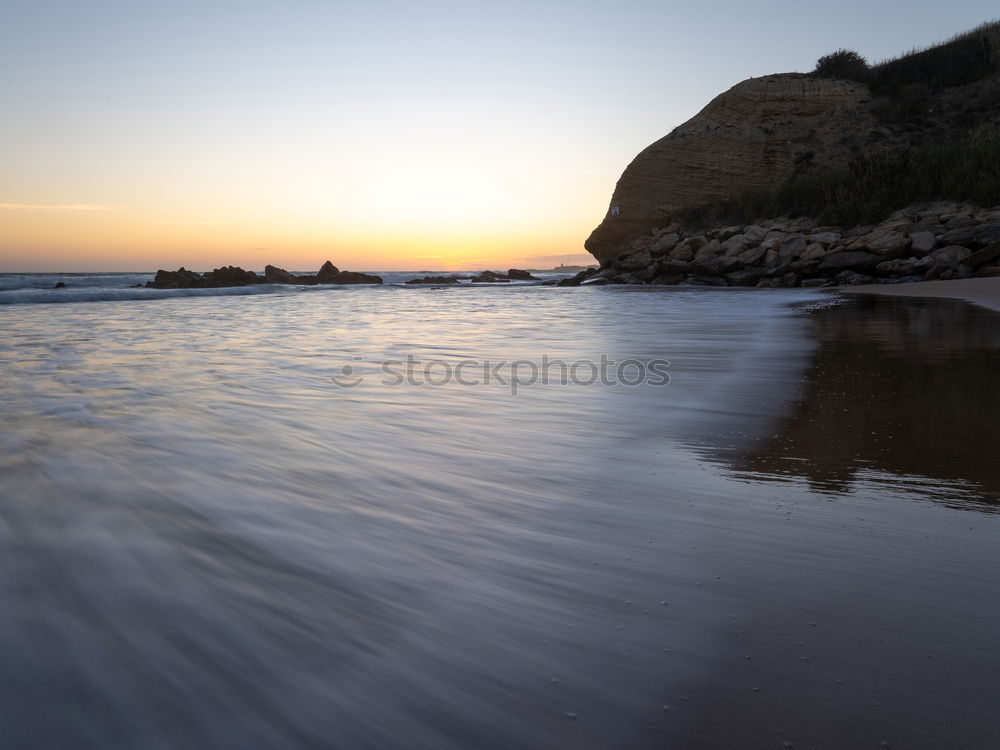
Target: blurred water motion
pixel 206 543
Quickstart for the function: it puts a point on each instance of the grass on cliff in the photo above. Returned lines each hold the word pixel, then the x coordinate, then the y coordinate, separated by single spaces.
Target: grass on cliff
pixel 905 84
pixel 966 57
pixel 872 186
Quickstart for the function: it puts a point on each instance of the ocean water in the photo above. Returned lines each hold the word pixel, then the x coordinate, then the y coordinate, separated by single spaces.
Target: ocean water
pixel 39 288
pixel 238 520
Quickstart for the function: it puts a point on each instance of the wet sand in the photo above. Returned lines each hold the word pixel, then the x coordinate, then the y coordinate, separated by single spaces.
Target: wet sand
pixel 878 628
pixel 985 292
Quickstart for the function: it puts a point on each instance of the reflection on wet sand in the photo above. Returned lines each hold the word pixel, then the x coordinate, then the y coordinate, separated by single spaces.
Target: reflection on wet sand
pixel 904 387
pixel 861 618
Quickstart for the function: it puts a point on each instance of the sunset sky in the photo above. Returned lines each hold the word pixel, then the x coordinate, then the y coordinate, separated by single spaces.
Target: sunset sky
pixel 382 135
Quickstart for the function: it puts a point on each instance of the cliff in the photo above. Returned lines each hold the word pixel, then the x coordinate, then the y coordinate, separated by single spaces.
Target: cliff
pixel 802 144
pixel 751 137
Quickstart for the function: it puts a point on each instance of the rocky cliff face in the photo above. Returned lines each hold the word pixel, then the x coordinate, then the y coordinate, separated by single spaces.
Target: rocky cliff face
pixel 753 136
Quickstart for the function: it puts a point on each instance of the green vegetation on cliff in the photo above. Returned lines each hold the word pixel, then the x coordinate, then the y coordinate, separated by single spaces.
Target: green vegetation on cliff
pixel 873 185
pixel 941 109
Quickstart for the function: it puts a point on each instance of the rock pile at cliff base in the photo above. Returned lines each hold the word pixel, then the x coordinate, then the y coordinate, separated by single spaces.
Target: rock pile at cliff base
pixel 941 240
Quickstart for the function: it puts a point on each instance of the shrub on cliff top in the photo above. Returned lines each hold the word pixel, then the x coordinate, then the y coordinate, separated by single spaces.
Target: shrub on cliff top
pixel 844 63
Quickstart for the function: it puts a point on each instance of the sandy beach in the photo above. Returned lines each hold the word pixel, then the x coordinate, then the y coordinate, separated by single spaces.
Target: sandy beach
pixel 984 292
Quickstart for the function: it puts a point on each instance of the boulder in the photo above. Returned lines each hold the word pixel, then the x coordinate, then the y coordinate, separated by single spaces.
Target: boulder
pixel 696 243
pixel 695 280
pixel 669 280
pixel 709 250
pixel 804 267
pixel 179 279
pixel 792 246
pixel 888 244
pixel 930 224
pixel 769 283
pixel 516 274
pixel 951 254
pixel 772 239
pixel 754 234
pixel 753 256
pixel 852 278
pixel 814 251
pixel 578 278
pixel 898 267
pixel 961 222
pixel 984 256
pixel 922 243
pixel 959 236
pixel 327 273
pixel 665 243
pixel 849 260
pixel 743 278
pixel 489 277
pixel 987 234
pixel 356 277
pixel 941 270
pixel 734 245
pixel 632 262
pixel 674 267
pixel 716 266
pixel 824 238
pixel 275 275
pixel 814 283
pixel 230 276
pixel 682 252
pixel 961 271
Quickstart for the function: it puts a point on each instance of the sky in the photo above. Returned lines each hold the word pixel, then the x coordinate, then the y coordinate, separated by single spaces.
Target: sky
pixel 381 135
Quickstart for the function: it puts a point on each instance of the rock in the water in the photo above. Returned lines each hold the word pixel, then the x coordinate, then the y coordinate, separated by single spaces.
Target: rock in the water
pixel 230 276
pixel 489 277
pixel 327 273
pixel 60 285
pixel 516 274
pixel 578 278
pixel 275 275
pixel 179 279
pixel 355 277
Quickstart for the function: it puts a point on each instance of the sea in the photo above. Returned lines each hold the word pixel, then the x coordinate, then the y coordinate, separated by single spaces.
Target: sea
pixel 495 516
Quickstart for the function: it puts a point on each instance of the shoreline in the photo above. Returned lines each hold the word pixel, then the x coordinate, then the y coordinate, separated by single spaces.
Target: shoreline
pixel 984 292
